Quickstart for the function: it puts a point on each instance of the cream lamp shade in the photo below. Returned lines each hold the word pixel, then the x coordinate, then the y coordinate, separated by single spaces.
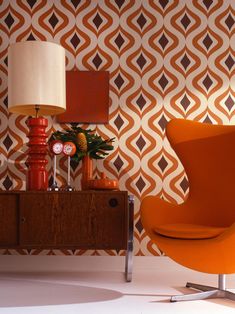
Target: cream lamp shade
pixel 36 77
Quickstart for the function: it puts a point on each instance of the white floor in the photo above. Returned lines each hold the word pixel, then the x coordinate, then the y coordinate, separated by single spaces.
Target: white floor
pixel 95 285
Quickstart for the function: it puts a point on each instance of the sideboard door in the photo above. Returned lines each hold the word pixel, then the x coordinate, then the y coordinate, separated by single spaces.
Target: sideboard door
pixel 37 215
pixel 85 220
pixel 8 220
pixel 55 220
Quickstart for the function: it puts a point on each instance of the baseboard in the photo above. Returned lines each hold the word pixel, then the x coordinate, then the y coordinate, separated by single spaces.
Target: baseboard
pixel 11 263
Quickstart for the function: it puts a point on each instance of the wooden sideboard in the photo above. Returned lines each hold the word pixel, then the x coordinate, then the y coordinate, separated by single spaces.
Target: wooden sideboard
pixel 73 220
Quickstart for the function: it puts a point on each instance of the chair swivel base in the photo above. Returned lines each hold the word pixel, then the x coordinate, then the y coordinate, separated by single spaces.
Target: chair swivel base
pixel 207 292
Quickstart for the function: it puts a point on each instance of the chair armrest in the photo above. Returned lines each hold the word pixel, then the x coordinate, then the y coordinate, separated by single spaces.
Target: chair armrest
pixel 228 234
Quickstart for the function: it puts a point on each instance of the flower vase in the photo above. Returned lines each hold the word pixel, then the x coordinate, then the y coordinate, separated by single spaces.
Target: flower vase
pixel 87 172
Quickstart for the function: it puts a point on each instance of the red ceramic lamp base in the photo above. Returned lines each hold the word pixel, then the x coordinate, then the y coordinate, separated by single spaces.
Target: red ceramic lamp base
pixel 37 176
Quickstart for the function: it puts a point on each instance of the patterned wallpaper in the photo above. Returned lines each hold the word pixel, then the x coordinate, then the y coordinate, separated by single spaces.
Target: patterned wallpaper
pixel 166 58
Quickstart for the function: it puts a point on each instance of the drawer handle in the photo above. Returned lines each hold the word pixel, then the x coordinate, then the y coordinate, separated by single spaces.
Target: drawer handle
pixel 113 202
pixel 23 220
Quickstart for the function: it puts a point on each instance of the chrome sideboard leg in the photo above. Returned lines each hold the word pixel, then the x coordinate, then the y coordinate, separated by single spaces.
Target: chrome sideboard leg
pixel 130 236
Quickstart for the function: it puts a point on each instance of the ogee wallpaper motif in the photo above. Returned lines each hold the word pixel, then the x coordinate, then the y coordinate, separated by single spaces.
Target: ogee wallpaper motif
pixel 166 58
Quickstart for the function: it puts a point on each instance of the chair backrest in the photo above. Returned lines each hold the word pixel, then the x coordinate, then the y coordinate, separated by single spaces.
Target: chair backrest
pixel 207 153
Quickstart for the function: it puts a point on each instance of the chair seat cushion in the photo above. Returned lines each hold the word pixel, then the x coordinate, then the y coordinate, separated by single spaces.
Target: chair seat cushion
pixel 188 231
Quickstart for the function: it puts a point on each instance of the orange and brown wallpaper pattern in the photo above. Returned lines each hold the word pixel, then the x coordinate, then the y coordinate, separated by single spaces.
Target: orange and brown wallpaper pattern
pixel 166 58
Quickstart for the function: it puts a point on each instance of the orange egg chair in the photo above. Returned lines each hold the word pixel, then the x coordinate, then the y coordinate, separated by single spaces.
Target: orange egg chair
pixel 199 233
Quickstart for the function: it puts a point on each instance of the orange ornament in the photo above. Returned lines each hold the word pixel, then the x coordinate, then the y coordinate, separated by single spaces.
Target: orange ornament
pixel 69 148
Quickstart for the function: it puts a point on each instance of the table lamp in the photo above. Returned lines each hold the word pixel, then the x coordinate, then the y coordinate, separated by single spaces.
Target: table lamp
pixel 36 85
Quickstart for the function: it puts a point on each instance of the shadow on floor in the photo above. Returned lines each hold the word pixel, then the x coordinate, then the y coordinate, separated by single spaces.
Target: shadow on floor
pixel 55 288
pixel 25 290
